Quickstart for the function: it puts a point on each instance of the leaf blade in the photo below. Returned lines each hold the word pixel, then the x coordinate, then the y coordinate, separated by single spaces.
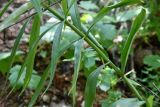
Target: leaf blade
pixel 46 73
pixel 105 10
pixel 55 52
pixel 65 7
pixel 5 8
pixel 15 16
pixel 39 87
pixel 15 47
pixel 30 63
pixel 37 6
pixel 149 102
pixel 127 102
pixel 90 89
pixel 75 15
pixel 134 29
pixel 77 62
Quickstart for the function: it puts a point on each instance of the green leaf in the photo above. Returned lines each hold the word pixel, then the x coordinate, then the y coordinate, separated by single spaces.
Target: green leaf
pixel 88 5
pixel 106 103
pixel 75 15
pixel 40 86
pixel 111 98
pixel 5 61
pixel 30 53
pixel 15 47
pixel 149 102
pixel 13 77
pixel 47 71
pixel 14 74
pixel 16 44
pixel 90 89
pixel 134 29
pixel 89 61
pixel 105 10
pixel 4 55
pixel 13 18
pixel 33 83
pixel 65 7
pixel 107 33
pixel 71 3
pixel 55 52
pixel 37 6
pixel 77 62
pixel 76 21
pixel 29 56
pixel 46 74
pixel 153 61
pixel 127 15
pixel 107 79
pixel 5 8
pixel 35 30
pixel 127 102
pixel 33 37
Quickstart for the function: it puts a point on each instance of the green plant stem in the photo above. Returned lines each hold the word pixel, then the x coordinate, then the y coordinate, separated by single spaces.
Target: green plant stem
pixel 132 87
pixel 86 39
pixel 111 64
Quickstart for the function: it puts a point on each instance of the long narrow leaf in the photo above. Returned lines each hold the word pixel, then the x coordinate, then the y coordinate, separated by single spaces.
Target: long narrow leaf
pixel 16 44
pixel 77 62
pixel 76 21
pixel 65 7
pixel 46 73
pixel 127 47
pixel 15 16
pixel 37 6
pixel 105 10
pixel 35 31
pixel 5 8
pixel 30 63
pixel 90 89
pixel 39 87
pixel 75 15
pixel 70 4
pixel 55 52
pixel 30 54
pixel 15 47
